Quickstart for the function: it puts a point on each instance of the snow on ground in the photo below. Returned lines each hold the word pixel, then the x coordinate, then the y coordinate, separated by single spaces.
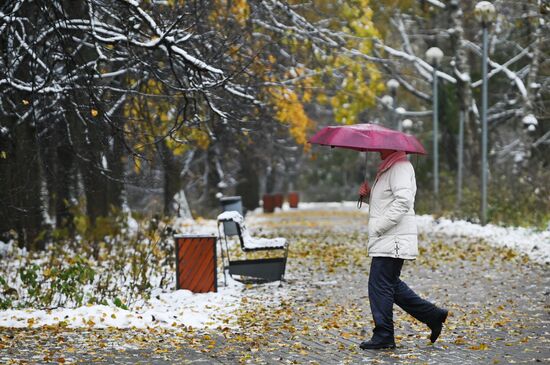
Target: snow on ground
pixel 535 244
pixel 172 310
pixel 166 310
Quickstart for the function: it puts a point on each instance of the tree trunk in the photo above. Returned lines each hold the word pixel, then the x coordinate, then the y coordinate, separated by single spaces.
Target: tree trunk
pixel 21 175
pixel 95 183
pixel 58 167
pixel 25 188
pixel 248 186
pixel 64 183
pixel 91 130
pixel 541 152
pixel 172 180
pixel 115 159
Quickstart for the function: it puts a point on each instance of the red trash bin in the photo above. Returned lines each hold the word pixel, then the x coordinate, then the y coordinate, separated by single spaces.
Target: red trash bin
pixel 196 263
pixel 278 200
pixel 293 199
pixel 269 203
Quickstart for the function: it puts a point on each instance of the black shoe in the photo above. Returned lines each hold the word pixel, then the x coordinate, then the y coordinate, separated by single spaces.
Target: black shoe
pixel 371 345
pixel 438 326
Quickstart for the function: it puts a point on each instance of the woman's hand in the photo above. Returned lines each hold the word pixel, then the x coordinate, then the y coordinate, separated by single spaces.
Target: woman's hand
pixel 364 189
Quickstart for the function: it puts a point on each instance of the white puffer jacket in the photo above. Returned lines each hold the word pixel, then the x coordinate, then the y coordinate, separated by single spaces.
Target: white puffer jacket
pixel 392 223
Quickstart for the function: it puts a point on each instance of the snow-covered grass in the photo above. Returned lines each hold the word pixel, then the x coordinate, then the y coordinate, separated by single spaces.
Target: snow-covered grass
pixel 535 244
pixel 176 309
pixel 159 306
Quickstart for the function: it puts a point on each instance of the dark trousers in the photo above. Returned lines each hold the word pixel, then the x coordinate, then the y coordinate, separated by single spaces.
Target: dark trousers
pixel 385 288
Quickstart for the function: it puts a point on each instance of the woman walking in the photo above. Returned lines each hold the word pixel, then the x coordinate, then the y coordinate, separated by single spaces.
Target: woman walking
pixel 393 239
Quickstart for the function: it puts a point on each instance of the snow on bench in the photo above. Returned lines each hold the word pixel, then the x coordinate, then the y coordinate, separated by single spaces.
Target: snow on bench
pixel 249 242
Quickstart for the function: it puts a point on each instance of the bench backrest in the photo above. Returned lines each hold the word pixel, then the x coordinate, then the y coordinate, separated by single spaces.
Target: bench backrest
pixel 237 218
pixel 254 244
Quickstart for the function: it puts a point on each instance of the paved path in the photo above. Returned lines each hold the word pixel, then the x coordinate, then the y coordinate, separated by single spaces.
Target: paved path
pixel 499 305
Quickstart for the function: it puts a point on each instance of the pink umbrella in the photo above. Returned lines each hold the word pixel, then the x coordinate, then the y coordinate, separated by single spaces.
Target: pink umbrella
pixel 367 137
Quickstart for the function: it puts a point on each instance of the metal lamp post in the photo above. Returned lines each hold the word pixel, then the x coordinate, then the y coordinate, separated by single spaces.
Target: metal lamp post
pixel 434 56
pixel 460 171
pixel 485 13
pixel 392 85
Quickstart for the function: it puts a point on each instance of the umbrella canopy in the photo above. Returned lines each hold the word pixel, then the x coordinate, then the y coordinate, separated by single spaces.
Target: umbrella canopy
pixel 367 137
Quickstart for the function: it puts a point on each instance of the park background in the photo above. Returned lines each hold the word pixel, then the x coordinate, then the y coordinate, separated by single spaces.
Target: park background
pixel 124 121
pixel 110 107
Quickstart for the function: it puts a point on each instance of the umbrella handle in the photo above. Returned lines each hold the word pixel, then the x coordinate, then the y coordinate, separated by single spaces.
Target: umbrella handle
pixel 360 200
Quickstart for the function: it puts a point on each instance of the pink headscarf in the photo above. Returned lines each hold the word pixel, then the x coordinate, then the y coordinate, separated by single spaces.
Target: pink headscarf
pixel 389 161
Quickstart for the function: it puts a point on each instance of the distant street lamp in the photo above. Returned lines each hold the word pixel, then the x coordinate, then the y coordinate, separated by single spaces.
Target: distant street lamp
pixel 393 85
pixel 387 101
pixel 407 124
pixel 485 13
pixel 434 56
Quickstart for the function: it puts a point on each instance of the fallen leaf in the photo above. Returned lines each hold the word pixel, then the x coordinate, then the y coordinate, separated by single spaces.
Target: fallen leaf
pixel 481 346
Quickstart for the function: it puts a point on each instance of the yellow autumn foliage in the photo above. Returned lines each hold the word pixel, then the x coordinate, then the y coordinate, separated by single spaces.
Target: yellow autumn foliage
pixel 344 80
pixel 362 80
pixel 289 110
pixel 238 10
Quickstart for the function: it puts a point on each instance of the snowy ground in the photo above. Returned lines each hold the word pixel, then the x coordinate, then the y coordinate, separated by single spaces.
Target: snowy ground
pixel 183 308
pixel 165 310
pixel 527 241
